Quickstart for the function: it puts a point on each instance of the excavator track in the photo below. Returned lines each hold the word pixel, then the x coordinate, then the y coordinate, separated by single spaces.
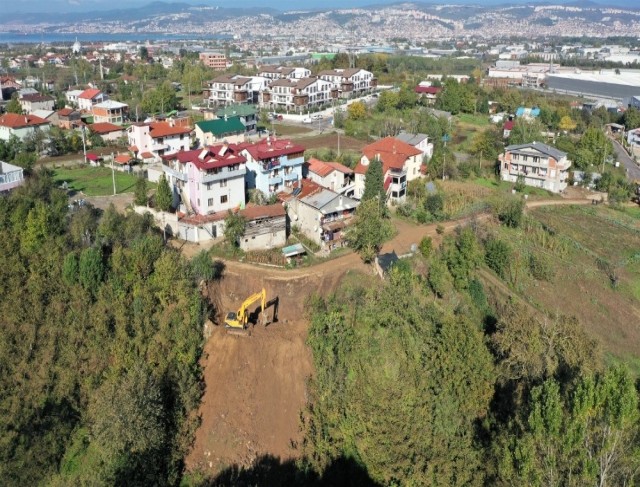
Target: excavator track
pixel 246 332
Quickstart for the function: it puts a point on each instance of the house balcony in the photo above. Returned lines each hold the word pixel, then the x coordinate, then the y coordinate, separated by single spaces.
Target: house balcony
pixel 290 162
pixel 275 180
pixel 292 176
pixel 176 174
pixel 212 178
pixel 301 100
pixel 346 86
pixel 240 96
pixel 266 96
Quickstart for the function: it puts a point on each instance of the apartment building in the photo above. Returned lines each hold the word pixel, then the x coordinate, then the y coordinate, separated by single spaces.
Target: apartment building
pixel 34 102
pixel 401 163
pixel 214 60
pixel 158 138
pixel 21 125
pixel 229 89
pixel 331 175
pixel 209 180
pixel 109 111
pixel 298 94
pixel 353 81
pixel 273 164
pixel 88 98
pixel 280 72
pixel 539 165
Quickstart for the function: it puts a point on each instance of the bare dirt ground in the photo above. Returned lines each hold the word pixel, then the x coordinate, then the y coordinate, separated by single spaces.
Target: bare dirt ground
pixel 256 386
pixel 330 140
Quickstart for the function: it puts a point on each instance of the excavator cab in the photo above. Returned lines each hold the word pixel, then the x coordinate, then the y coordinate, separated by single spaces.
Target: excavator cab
pixel 240 319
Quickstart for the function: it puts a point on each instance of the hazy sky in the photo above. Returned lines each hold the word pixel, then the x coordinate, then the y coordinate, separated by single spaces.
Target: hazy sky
pixel 87 5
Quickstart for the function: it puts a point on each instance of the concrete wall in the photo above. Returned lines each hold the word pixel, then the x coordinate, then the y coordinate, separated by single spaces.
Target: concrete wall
pixel 266 234
pixel 306 218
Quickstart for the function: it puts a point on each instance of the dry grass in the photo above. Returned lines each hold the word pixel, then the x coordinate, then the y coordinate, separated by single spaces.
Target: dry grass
pixel 331 141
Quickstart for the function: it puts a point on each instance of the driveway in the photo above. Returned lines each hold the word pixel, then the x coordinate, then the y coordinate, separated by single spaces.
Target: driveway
pixel 633 170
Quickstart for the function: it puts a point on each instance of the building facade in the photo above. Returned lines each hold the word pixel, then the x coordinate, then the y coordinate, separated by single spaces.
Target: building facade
pixel 539 165
pixel 353 81
pixel 230 89
pixel 208 181
pixel 158 138
pixel 10 176
pixel 109 111
pixel 273 164
pixel 298 94
pixel 21 125
pixel 214 60
pixel 280 72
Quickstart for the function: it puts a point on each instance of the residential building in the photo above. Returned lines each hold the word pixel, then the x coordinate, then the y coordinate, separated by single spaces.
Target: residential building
pixel 68 118
pixel 633 137
pixel 214 60
pixel 8 86
pixel 331 175
pixel 273 164
pixel 538 164
pixel 265 227
pixel 246 113
pixel 298 94
pixel 429 93
pixel 352 81
pixel 109 111
pixel 158 138
pixel 72 98
pixel 88 98
pixel 21 125
pixel 209 180
pixel 507 128
pixel 321 214
pixel 401 163
pixel 31 103
pixel 48 115
pixel 211 132
pixel 10 176
pixel 279 72
pixel 230 89
pixel 419 141
pixel 107 131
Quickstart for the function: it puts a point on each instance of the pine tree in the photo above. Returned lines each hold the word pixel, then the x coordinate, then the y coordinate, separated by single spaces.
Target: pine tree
pixel 140 193
pixel 163 194
pixel 14 105
pixel 374 184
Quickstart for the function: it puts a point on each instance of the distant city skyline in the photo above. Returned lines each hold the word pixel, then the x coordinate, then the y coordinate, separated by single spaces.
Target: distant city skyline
pixel 89 5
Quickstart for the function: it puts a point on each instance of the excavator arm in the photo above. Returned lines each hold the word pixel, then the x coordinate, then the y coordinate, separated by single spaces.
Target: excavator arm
pixel 241 318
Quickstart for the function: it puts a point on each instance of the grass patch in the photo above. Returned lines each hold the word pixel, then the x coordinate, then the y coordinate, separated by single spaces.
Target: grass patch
pixel 96 181
pixel 506 187
pixel 479 120
pixel 282 129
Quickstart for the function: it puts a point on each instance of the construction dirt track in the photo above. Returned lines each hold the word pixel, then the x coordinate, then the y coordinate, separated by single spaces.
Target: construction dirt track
pixel 256 386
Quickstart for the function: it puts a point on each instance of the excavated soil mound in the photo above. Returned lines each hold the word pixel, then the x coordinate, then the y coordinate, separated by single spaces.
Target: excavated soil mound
pixel 256 385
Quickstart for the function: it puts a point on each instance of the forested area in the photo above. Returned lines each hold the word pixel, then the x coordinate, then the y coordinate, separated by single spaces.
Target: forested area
pixel 101 337
pixel 425 380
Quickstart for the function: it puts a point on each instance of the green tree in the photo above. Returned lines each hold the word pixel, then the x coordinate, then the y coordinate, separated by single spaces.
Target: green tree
pixel 14 105
pixel 356 110
pixel 509 210
pixel 526 131
pixel 374 183
pixel 91 269
pixel 140 192
pixel 631 118
pixel 143 53
pixel 234 228
pixel 160 100
pixel 369 230
pixel 497 255
pixel 204 269
pixel 567 124
pixel 163 197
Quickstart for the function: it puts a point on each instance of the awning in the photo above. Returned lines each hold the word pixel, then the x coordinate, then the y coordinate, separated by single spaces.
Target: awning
pixel 293 250
pixel 333 226
pixel 93 157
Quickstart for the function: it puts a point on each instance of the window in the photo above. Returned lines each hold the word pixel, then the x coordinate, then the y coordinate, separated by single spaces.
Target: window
pixel 223 183
pixel 198 201
pixel 223 198
pixel 208 187
pixel 210 202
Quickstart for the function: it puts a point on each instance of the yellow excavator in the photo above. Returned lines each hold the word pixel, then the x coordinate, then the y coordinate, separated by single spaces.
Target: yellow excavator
pixel 238 320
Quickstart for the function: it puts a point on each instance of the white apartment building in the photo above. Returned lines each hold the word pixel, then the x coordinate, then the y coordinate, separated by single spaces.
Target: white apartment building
pixel 297 94
pixel 158 138
pixel 229 89
pixel 209 180
pixel 350 81
pixel 540 166
pixel 279 72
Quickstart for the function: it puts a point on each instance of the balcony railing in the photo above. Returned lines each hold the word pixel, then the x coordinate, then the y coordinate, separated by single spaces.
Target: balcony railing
pixel 211 178
pixel 174 173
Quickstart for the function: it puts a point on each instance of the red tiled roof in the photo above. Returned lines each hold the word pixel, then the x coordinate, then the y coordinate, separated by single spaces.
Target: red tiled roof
pixel 147 155
pixel 392 152
pixel 307 186
pixel 122 159
pixel 270 211
pixel 428 90
pixel 15 121
pixel 65 112
pixel 271 147
pixel 164 129
pixel 104 128
pixel 340 167
pixel 133 148
pixel 319 167
pixel 200 219
pixel 387 183
pixel 209 158
pixel 92 157
pixel 508 125
pixel 89 94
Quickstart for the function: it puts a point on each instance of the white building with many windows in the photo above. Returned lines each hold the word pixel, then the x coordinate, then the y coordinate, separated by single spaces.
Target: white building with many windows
pixel 353 81
pixel 158 138
pixel 538 164
pixel 209 180
pixel 230 89
pixel 280 72
pixel 297 94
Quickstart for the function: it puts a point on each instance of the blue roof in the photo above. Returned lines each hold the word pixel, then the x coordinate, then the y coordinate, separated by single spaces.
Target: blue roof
pixel 292 250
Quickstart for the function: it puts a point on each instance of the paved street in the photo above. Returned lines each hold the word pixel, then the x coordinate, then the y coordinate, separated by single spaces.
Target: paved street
pixel 633 170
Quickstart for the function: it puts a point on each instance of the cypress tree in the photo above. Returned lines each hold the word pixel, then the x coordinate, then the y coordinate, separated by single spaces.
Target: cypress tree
pixel 374 183
pixel 163 194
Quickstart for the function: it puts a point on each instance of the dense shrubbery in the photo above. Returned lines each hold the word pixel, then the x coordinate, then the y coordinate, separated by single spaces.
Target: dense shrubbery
pixel 101 336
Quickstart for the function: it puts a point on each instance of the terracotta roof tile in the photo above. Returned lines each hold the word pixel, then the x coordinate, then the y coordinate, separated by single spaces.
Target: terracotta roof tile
pixel 105 128
pixel 319 167
pixel 165 129
pixel 14 121
pixel 270 211
pixel 89 94
pixel 272 147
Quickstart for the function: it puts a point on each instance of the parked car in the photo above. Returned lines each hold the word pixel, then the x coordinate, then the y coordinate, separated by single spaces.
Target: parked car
pixel 307 120
pixel 316 116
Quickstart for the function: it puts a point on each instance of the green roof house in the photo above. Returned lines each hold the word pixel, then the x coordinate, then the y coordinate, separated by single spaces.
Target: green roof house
pixel 247 114
pixel 211 132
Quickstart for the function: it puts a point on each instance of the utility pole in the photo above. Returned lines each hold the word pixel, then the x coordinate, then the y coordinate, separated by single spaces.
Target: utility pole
pixel 113 174
pixel 84 145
